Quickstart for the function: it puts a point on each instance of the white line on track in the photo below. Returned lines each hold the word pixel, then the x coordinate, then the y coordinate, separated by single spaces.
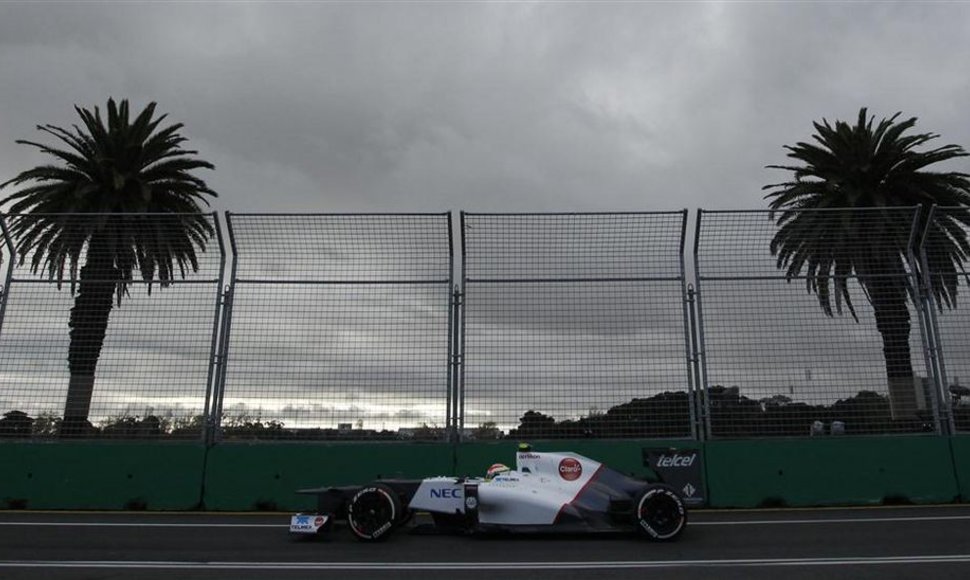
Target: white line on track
pixel 772 522
pixel 138 525
pixel 760 562
pixel 828 521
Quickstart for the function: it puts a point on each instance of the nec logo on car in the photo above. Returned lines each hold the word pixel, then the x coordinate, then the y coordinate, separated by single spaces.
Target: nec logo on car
pixel 446 493
pixel 676 460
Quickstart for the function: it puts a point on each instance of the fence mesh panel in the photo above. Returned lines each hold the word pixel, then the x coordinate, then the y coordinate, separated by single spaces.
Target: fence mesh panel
pixel 340 327
pixel 574 326
pixel 776 363
pixel 149 377
pixel 945 249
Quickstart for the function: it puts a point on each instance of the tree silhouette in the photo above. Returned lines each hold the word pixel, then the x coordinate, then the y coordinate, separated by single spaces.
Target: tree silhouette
pixel 79 211
pixel 866 166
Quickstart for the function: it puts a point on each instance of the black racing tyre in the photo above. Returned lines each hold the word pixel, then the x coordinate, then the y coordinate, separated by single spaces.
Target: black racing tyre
pixel 373 512
pixel 660 513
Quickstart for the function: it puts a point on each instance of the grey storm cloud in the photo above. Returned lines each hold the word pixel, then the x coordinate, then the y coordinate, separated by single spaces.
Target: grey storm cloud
pixel 490 106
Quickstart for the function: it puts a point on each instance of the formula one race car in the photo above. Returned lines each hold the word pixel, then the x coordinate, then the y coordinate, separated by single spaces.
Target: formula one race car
pixel 545 492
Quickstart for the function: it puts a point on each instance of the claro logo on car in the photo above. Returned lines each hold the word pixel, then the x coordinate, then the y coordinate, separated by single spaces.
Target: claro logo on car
pixel 570 469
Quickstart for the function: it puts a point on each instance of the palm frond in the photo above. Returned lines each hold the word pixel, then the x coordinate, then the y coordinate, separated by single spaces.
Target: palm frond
pixel 866 165
pixel 109 166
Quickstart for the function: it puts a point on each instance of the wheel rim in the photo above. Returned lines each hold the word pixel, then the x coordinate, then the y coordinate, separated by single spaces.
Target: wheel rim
pixel 371 512
pixel 662 513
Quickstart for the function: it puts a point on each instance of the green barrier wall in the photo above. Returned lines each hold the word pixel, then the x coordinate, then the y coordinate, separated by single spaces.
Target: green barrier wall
pixel 265 476
pixel 960 447
pixel 741 473
pixel 83 475
pixel 837 471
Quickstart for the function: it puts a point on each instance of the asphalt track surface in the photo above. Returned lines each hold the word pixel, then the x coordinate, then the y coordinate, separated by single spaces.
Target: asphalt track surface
pixel 884 543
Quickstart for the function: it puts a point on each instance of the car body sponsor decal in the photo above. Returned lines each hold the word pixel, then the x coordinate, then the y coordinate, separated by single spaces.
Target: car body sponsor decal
pixel 570 469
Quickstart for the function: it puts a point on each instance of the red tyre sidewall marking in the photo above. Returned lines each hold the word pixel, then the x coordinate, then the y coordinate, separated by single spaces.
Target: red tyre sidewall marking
pixel 363 491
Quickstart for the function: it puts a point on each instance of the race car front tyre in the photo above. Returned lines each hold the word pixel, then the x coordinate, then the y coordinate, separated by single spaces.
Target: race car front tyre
pixel 660 513
pixel 373 512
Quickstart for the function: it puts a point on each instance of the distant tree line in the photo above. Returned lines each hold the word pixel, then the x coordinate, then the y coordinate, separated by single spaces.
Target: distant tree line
pixel 666 415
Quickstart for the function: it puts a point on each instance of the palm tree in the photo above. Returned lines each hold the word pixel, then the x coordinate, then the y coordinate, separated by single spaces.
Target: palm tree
pixel 81 210
pixel 862 166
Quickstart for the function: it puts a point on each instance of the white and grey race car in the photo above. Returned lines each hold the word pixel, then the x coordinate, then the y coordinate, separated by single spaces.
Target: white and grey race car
pixel 545 492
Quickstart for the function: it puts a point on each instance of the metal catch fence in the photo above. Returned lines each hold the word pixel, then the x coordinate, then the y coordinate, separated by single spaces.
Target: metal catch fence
pixel 573 326
pixel 338 327
pixel 808 323
pixel 131 299
pixel 350 326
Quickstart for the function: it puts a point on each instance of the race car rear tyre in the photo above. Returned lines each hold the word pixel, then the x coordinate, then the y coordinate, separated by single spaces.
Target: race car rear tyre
pixel 660 513
pixel 373 512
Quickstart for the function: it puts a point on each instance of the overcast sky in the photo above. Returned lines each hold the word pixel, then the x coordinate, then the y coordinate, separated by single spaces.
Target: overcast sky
pixel 435 106
pixel 486 106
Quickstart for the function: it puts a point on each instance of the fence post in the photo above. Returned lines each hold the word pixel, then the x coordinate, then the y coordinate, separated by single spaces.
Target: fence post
pixel 693 356
pixel 916 294
pixel 215 359
pixel 934 342
pixel 12 252
pixel 700 351
pixel 454 375
pixel 219 385
pixel 941 401
pixel 460 336
pixel 690 345
pixel 454 356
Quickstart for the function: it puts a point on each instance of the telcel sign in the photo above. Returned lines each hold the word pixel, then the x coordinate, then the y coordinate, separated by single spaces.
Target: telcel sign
pixel 676 460
pixel 682 469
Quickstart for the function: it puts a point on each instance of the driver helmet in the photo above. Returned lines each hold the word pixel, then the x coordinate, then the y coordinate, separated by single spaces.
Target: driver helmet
pixel 496 469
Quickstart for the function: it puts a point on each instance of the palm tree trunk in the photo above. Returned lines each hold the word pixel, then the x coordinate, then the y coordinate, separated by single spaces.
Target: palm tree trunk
pixel 889 302
pixel 88 324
